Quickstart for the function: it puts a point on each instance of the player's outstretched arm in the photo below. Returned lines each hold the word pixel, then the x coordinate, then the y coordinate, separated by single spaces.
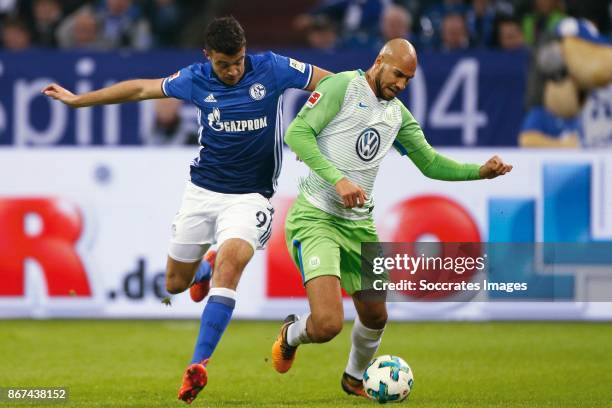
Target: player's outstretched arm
pixel 411 141
pixel 126 91
pixel 436 166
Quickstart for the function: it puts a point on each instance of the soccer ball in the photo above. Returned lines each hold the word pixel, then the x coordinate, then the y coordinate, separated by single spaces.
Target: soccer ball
pixel 388 379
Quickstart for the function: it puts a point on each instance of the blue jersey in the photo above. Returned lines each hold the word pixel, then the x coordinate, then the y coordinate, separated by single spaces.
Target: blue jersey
pixel 542 120
pixel 240 126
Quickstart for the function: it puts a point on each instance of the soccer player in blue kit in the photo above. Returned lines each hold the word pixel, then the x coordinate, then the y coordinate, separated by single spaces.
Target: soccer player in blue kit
pixel 226 202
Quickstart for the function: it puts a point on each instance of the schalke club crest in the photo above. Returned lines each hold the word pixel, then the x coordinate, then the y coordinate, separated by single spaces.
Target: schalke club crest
pixel 257 91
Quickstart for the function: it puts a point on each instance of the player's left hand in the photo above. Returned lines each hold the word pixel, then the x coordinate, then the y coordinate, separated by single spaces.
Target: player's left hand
pixel 60 93
pixel 494 167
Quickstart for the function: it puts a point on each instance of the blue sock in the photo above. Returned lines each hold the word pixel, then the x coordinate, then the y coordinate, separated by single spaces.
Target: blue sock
pixel 215 318
pixel 204 271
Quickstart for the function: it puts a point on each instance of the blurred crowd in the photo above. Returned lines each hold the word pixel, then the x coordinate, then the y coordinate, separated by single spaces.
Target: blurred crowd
pixel 332 24
pixel 444 25
pixel 568 40
pixel 97 24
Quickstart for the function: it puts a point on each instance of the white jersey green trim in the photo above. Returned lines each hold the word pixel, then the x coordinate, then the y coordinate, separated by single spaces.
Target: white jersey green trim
pixel 355 130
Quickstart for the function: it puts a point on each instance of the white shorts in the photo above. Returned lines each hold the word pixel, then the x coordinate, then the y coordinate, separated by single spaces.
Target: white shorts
pixel 207 218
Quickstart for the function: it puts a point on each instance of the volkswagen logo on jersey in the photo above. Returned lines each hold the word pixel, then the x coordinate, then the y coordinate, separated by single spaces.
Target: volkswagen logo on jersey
pixel 257 91
pixel 368 144
pixel 215 123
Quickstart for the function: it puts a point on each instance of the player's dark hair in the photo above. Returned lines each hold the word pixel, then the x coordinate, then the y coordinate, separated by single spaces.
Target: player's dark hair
pixel 224 35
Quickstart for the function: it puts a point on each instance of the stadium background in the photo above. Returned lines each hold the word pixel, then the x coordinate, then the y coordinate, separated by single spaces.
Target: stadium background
pixel 87 196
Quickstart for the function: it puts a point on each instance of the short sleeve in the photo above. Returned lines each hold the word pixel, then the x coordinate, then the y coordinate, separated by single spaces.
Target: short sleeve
pixel 291 73
pixel 179 84
pixel 326 101
pixel 410 137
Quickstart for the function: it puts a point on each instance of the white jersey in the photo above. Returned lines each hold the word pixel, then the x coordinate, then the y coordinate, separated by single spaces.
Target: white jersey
pixel 359 135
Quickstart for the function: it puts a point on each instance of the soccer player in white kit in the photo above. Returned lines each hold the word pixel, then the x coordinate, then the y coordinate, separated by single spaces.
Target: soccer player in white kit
pixel 343 133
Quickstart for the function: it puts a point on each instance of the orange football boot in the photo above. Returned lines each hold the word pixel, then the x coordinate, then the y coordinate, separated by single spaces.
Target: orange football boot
pixel 199 290
pixel 352 386
pixel 194 380
pixel 282 353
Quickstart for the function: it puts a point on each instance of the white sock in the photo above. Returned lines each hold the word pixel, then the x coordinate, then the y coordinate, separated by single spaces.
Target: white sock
pixel 296 333
pixel 225 292
pixel 365 343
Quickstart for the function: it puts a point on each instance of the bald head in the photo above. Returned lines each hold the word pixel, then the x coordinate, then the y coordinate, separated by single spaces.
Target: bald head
pixel 395 65
pixel 400 53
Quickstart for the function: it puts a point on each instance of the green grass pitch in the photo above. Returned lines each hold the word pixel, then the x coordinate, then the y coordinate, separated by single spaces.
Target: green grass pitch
pixel 140 363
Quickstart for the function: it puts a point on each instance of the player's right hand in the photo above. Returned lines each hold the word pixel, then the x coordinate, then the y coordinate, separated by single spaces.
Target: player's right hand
pixel 55 91
pixel 494 167
pixel 352 195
